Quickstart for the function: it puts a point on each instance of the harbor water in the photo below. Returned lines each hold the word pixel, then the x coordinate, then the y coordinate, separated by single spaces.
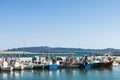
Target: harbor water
pixel 63 74
pixel 52 54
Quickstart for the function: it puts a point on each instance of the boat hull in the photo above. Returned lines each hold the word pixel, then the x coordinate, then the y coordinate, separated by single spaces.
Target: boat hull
pixel 28 66
pixel 6 68
pixel 53 66
pixel 18 68
pixel 38 66
pixel 107 64
pixel 96 65
pixel 69 66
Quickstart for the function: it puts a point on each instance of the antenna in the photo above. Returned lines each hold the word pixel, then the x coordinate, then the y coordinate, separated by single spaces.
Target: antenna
pixel 23 48
pixel 24 44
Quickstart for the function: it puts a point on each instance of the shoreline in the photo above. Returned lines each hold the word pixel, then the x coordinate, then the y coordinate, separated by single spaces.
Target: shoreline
pixel 21 52
pixel 14 52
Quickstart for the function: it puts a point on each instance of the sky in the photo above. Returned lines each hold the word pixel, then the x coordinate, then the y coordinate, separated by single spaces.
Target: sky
pixel 93 24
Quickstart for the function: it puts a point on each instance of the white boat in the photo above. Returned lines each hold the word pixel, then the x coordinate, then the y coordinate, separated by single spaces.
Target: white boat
pixel 115 64
pixel 9 68
pixel 28 66
pixel 4 66
pixel 18 66
pixel 38 66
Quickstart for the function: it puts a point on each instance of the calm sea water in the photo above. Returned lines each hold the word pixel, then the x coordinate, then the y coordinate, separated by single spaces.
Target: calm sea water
pixel 52 54
pixel 55 54
pixel 63 74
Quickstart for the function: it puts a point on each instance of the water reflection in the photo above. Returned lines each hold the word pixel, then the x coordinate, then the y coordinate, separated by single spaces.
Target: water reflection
pixel 83 71
pixel 70 71
pixel 4 75
pixel 37 72
pixel 64 74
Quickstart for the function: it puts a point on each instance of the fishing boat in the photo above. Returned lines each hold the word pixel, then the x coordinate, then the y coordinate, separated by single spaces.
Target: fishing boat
pixel 17 66
pixel 70 62
pixel 96 63
pixel 53 64
pixel 4 66
pixel 115 64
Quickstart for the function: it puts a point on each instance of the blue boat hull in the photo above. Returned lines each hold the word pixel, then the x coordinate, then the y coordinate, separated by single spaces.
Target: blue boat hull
pixel 53 66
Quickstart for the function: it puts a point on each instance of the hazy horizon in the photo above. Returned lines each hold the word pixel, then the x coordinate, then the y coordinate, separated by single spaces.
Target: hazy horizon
pixel 87 24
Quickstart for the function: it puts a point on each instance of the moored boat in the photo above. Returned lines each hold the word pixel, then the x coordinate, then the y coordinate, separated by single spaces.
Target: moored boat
pixel 17 66
pixel 96 63
pixel 70 62
pixel 5 67
pixel 115 64
pixel 53 64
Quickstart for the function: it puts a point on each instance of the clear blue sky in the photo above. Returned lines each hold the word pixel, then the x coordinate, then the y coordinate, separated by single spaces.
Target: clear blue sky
pixel 60 23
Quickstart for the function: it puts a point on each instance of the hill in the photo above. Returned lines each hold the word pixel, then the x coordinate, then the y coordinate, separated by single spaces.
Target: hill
pixel 60 49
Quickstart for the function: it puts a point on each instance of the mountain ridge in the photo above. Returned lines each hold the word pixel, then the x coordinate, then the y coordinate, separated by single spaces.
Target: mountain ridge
pixel 61 49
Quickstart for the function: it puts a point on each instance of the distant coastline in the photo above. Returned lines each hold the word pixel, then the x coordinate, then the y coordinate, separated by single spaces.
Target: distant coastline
pixel 46 49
